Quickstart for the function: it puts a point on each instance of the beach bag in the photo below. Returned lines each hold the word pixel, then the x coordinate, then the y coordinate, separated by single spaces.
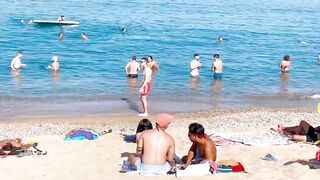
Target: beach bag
pixel 226 166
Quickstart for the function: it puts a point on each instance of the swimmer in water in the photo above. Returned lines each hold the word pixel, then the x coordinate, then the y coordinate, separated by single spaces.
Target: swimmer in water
pixel 60 36
pixel 132 68
pixel 195 66
pixel 123 30
pixel 220 39
pixel 22 21
pixel 55 64
pixel 152 64
pixel 16 62
pixel 84 37
pixel 285 64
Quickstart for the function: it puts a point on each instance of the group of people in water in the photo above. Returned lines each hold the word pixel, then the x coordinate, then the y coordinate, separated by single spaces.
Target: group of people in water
pixel 155 152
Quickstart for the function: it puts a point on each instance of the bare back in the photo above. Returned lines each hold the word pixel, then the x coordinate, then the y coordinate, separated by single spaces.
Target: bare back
pixel 217 66
pixel 157 147
pixel 133 67
pixel 208 150
pixel 285 66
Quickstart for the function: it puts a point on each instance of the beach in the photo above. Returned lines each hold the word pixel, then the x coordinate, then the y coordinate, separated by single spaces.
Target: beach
pixel 99 159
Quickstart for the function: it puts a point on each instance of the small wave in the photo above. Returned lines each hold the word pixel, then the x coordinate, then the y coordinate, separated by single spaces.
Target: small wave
pixel 315 96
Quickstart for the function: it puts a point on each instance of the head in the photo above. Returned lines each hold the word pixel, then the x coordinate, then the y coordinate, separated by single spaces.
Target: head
pixel 19 54
pixel 286 58
pixel 62 17
pixel 84 34
pixel 143 125
pixel 220 39
pixel 216 56
pixel 196 132
pixel 150 58
pixel 144 62
pixel 196 56
pixel 54 59
pixel 60 35
pixel 163 121
pixel 123 29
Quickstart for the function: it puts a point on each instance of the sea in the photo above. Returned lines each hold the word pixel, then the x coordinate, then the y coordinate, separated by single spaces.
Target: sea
pixel 92 81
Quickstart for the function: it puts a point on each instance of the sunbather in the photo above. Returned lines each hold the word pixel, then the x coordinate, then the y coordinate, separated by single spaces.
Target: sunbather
pixel 14 144
pixel 89 134
pixel 304 132
pixel 203 148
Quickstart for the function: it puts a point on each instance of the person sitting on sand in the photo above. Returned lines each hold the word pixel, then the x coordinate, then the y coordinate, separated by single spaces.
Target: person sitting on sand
pixel 55 64
pixel 132 68
pixel 143 125
pixel 203 148
pixel 16 62
pixel 14 144
pixel 84 37
pixel 304 132
pixel 61 18
pixel 285 64
pixel 155 149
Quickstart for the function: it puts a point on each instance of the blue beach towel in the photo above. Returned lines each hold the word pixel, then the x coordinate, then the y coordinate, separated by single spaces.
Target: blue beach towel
pixel 82 135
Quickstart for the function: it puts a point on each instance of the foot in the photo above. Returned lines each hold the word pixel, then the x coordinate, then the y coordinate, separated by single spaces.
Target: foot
pixel 143 114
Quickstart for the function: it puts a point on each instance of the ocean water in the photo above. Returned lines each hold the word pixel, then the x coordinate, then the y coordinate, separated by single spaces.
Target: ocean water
pixel 92 81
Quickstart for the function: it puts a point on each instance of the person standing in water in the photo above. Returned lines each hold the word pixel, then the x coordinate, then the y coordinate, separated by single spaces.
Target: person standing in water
pixel 146 86
pixel 132 68
pixel 60 36
pixel 61 18
pixel 285 64
pixel 195 66
pixel 55 66
pixel 217 66
pixel 152 64
pixel 16 62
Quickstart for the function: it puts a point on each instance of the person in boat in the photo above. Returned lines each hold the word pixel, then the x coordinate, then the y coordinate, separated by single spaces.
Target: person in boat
pixel 61 18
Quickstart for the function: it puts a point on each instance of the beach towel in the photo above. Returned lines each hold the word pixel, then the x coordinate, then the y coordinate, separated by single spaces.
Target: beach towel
pixel 82 135
pixel 129 138
pixel 265 139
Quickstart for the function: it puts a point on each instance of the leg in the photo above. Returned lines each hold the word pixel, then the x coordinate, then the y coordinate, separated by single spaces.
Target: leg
pixel 299 138
pixel 133 159
pixel 302 129
pixel 144 104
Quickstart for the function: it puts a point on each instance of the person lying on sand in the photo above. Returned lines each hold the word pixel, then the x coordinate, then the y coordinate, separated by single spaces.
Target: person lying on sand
pixel 304 132
pixel 14 144
pixel 155 149
pixel 86 132
pixel 203 148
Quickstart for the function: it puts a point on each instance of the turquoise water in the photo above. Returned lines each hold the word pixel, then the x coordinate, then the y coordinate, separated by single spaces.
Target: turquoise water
pixel 92 79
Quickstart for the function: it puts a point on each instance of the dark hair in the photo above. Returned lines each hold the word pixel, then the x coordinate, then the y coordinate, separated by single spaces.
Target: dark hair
pixel 134 58
pixel 84 33
pixel 196 55
pixel 19 52
pixel 196 128
pixel 216 56
pixel 150 58
pixel 286 58
pixel 143 125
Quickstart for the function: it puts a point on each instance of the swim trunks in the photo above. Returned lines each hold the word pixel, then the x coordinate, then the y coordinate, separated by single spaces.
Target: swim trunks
pixel 133 75
pixel 217 75
pixel 312 135
pixel 146 89
pixel 194 73
pixel 153 169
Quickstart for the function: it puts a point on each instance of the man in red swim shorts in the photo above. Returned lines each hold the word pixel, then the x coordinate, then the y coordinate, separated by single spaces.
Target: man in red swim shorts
pixel 146 86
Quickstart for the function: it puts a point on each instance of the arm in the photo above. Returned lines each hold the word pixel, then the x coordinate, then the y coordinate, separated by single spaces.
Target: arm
pixel 139 147
pixel 191 154
pixel 171 154
pixel 12 64
pixel 126 68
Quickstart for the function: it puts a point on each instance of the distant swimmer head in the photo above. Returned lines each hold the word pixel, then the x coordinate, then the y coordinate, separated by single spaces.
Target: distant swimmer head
pixel 216 56
pixel 84 36
pixel 22 21
pixel 220 39
pixel 196 56
pixel 286 58
pixel 30 22
pixel 54 59
pixel 19 54
pixel 123 30
pixel 60 36
pixel 134 58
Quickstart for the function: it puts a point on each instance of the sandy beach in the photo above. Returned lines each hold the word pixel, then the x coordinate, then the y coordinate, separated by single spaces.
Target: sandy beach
pixel 99 159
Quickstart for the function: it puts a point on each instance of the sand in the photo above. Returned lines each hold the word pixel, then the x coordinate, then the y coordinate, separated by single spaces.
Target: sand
pixel 99 159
